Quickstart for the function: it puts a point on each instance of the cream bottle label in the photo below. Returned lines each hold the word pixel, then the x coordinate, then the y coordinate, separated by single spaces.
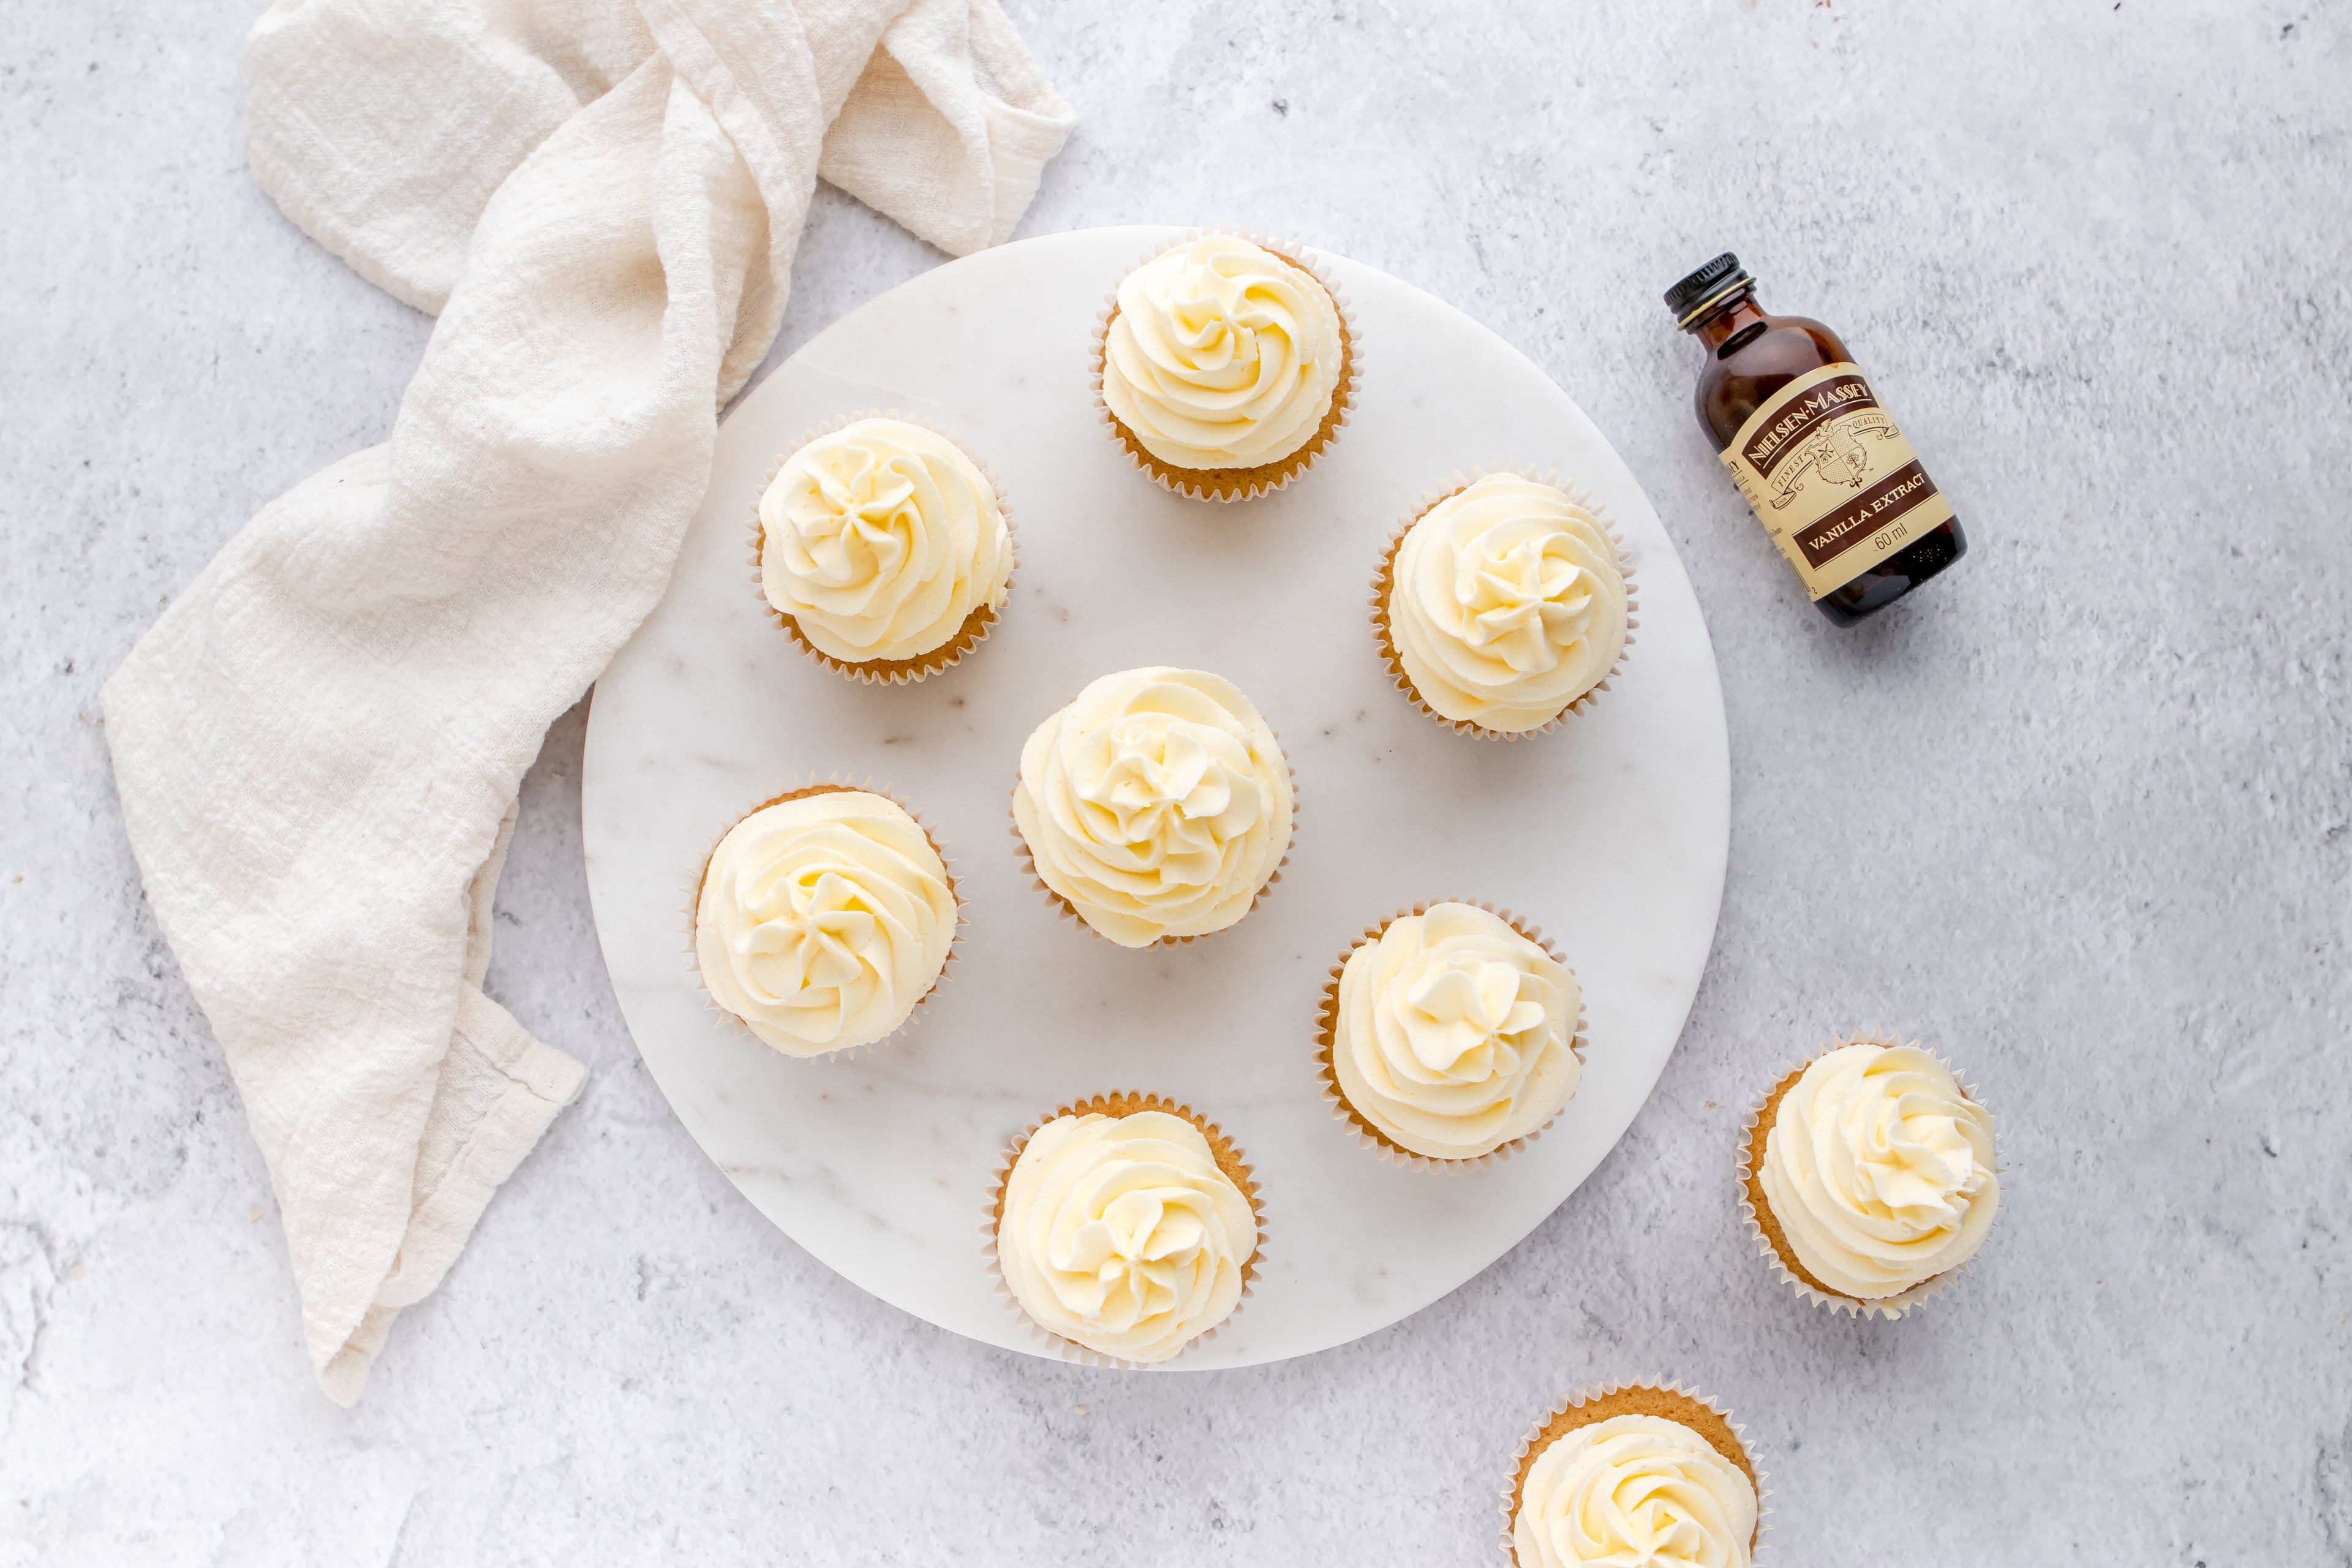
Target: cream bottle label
pixel 1833 478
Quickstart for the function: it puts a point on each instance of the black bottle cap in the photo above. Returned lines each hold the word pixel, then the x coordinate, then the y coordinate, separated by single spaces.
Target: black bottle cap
pixel 1717 280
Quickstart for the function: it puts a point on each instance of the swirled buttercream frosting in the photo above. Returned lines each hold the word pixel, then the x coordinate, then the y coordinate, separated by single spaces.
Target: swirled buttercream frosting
pixel 1634 1491
pixel 1222 355
pixel 1122 1233
pixel 1505 604
pixel 1452 1034
pixel 880 540
pixel 823 919
pixel 1879 1169
pixel 1156 805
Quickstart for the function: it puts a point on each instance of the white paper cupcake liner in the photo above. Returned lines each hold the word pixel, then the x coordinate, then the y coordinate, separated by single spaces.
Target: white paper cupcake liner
pixel 922 666
pixel 802 785
pixel 1344 398
pixel 1372 1139
pixel 1887 1307
pixel 1070 1350
pixel 1587 1394
pixel 1069 911
pixel 1385 638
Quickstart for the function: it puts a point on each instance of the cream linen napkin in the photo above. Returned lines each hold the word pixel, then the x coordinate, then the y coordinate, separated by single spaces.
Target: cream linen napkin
pixel 318 746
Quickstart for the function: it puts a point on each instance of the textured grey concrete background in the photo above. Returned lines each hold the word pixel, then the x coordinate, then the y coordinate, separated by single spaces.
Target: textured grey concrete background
pixel 2080 816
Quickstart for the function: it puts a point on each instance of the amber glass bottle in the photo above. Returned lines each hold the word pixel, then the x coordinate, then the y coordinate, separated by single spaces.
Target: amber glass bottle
pixel 1826 469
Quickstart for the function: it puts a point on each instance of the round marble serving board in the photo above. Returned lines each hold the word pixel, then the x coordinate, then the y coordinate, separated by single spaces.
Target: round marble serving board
pixel 1610 834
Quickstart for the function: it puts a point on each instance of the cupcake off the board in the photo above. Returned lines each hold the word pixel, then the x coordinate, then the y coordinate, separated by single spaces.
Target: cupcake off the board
pixel 1869 1176
pixel 1647 1474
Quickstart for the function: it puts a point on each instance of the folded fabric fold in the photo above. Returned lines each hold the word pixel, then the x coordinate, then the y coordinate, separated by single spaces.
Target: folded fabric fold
pixel 319 744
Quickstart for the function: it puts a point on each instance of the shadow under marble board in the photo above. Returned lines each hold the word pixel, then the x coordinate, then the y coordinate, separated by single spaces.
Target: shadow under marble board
pixel 1610 834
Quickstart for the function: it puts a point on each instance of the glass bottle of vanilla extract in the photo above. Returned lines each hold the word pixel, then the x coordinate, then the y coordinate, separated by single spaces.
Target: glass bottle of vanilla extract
pixel 1825 468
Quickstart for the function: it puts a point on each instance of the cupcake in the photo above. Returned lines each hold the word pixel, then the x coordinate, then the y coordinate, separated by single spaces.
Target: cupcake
pixel 1634 1474
pixel 1225 369
pixel 1869 1176
pixel 1502 606
pixel 1449 1033
pixel 1155 807
pixel 885 550
pixel 823 918
pixel 1127 1225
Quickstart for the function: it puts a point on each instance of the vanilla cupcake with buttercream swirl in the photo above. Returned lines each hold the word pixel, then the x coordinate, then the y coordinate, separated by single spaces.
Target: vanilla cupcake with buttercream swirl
pixel 1156 807
pixel 1449 1033
pixel 1127 1226
pixel 1225 367
pixel 1640 1474
pixel 1502 606
pixel 1870 1176
pixel 823 918
pixel 884 550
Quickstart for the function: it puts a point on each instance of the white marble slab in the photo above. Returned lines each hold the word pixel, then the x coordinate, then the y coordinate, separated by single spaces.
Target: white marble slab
pixel 1610 834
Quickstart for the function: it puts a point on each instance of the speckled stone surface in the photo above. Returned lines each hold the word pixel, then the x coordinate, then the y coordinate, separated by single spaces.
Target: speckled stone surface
pixel 2081 816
